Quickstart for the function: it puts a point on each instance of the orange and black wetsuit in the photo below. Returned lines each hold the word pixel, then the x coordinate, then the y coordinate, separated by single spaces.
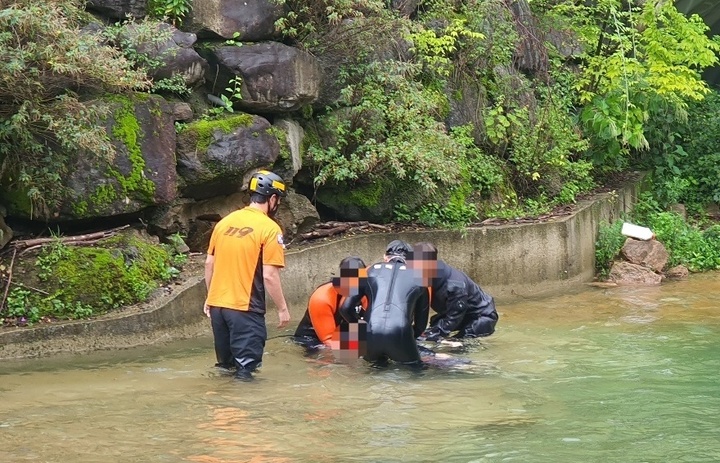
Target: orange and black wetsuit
pixel 321 318
pixel 397 312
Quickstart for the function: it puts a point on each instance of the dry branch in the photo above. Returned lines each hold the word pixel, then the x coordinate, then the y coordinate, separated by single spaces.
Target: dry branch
pixel 326 229
pixel 88 238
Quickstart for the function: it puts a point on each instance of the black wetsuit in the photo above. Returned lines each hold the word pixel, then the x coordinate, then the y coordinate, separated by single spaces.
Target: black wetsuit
pixel 460 305
pixel 397 312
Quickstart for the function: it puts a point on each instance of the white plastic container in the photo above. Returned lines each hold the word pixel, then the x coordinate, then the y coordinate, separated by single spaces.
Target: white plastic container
pixel 637 232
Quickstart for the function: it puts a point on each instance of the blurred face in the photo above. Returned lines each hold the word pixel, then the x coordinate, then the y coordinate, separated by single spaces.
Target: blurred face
pixel 273 203
pixel 424 264
pixel 350 280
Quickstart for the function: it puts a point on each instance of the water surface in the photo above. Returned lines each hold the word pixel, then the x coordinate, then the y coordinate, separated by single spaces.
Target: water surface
pixel 602 375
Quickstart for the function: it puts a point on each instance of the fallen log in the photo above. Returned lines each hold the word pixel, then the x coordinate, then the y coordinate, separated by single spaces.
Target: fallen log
pixel 324 232
pixel 88 238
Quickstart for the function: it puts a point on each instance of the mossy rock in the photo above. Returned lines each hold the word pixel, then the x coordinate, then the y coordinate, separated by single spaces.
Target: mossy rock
pixel 83 281
pixel 373 201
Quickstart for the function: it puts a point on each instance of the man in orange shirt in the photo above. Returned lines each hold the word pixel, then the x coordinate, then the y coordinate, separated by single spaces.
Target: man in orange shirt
pixel 244 259
pixel 321 318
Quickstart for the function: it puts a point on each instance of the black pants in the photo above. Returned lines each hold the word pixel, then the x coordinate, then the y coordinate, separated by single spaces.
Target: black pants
pixel 477 321
pixel 239 337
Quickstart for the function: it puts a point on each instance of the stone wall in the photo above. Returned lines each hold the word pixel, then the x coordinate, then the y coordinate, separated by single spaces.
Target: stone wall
pixel 508 261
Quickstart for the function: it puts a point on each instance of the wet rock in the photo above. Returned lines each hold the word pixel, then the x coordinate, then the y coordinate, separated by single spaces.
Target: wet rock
pixel 6 232
pixel 649 253
pixel 679 272
pixel 627 273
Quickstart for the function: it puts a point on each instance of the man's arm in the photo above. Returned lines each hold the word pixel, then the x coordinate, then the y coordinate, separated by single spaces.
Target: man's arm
pixel 422 312
pixel 271 277
pixel 209 269
pixel 456 309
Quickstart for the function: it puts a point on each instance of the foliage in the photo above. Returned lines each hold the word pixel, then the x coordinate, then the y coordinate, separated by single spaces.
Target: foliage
pixel 607 246
pixel 80 282
pixel 435 49
pixel 143 44
pixel 686 244
pixel 640 57
pixel 307 21
pixel 389 127
pixel 174 10
pixel 42 120
pixel 689 173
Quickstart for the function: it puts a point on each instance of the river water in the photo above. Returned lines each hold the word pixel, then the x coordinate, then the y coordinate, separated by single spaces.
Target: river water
pixel 601 375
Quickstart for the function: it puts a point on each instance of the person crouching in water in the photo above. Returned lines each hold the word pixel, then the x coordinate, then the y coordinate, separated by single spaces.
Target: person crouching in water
pixel 322 318
pixel 397 310
pixel 461 304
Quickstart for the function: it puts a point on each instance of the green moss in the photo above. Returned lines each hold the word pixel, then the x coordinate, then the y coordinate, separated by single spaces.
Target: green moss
pixel 281 137
pixel 365 196
pixel 204 130
pixel 122 271
pixel 127 130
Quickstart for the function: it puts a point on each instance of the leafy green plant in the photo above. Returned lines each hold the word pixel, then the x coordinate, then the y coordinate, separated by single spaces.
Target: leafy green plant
pixel 686 244
pixel 640 58
pixel 174 10
pixel 607 247
pixel 43 123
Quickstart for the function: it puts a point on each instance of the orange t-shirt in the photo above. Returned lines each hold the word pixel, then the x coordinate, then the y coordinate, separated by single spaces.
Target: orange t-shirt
pixel 242 243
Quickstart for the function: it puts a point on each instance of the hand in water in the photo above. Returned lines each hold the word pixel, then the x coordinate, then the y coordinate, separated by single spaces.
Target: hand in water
pixel 284 317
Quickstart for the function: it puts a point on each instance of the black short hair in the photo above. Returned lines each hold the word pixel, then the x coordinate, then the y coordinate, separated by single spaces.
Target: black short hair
pixel 399 248
pixel 352 262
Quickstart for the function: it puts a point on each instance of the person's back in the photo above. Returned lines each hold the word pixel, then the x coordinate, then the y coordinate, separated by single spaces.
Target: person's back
pixel 397 312
pixel 460 303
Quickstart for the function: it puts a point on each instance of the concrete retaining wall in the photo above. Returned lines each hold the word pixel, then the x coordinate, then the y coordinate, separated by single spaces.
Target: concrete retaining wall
pixel 508 261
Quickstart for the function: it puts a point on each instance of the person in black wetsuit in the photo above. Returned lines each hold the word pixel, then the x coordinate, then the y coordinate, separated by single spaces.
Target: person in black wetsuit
pixel 460 304
pixel 397 308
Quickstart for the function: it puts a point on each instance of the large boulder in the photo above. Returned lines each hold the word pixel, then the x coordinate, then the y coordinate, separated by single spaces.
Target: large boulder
pixel 139 175
pixel 170 50
pixel 296 215
pixel 195 219
pixel 6 232
pixel 291 150
pixel 271 77
pixel 215 157
pixel 627 273
pixel 119 9
pixel 650 253
pixel 246 20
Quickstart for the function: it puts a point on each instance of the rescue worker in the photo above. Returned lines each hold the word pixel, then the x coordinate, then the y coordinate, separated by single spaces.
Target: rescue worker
pixel 322 318
pixel 397 310
pixel 460 304
pixel 244 258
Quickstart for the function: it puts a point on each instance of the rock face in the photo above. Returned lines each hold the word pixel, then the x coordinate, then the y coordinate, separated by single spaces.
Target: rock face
pixel 195 219
pixel 119 9
pixel 141 173
pixel 173 52
pixel 275 77
pixel 251 20
pixel 214 158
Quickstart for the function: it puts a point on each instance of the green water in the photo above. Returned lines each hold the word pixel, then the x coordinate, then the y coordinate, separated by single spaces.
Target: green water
pixel 603 375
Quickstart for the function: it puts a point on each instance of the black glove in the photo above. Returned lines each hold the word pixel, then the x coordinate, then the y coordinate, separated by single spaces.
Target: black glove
pixel 432 335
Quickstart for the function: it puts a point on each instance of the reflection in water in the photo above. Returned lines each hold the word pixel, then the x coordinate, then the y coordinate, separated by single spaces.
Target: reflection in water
pixel 612 375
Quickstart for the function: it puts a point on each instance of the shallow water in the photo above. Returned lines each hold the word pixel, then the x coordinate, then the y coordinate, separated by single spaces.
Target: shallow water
pixel 603 375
